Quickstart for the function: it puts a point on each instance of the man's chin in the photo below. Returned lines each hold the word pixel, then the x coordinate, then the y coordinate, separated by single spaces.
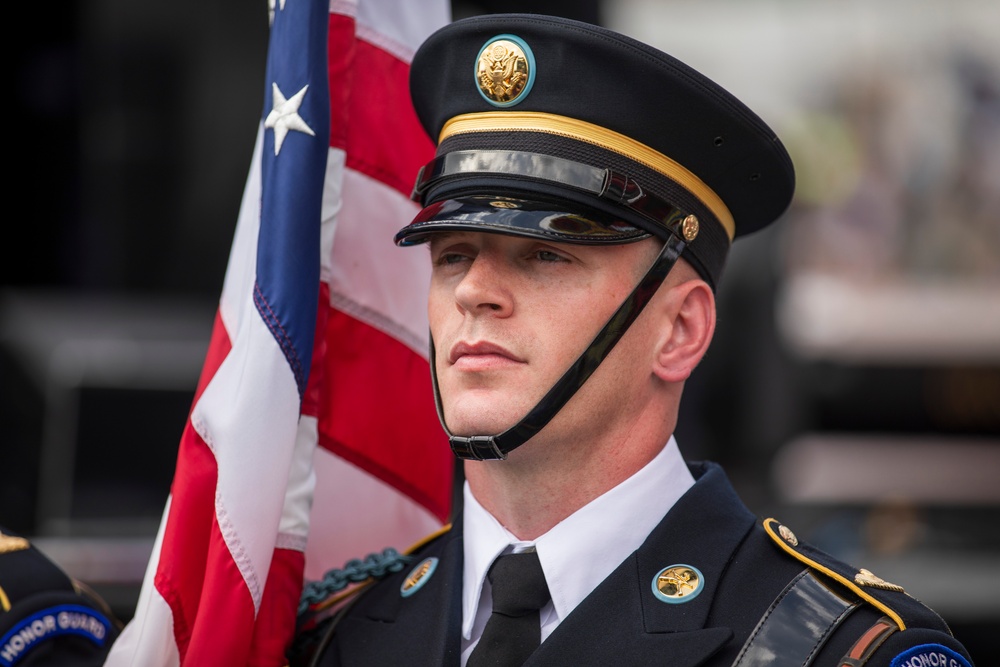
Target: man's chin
pixel 484 421
pixel 480 411
pixel 483 428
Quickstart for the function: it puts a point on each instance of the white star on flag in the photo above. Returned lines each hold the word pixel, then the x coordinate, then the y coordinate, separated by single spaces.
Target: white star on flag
pixel 285 116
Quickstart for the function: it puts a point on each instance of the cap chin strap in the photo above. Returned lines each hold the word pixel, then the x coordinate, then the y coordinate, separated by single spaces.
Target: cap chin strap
pixel 496 447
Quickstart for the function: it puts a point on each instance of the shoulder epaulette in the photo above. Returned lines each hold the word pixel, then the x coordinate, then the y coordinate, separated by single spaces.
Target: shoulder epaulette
pixel 424 541
pixel 890 599
pixel 45 614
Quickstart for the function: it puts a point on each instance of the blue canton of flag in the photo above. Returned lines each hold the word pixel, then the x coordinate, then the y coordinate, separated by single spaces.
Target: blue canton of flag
pixel 297 106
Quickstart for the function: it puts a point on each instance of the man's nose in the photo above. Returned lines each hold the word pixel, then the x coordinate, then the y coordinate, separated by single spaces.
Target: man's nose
pixel 485 288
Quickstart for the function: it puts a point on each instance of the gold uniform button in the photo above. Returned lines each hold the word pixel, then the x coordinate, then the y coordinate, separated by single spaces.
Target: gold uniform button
pixel 678 583
pixel 690 227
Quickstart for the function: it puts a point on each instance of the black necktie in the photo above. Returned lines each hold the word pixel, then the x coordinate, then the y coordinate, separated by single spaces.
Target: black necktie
pixel 513 631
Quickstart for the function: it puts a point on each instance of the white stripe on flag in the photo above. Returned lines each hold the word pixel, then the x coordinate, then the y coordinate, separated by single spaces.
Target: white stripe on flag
pixel 240 270
pixel 347 498
pixel 148 639
pixel 400 26
pixel 367 271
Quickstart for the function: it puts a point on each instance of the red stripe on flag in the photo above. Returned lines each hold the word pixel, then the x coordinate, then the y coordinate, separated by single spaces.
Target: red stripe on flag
pixel 180 572
pixel 193 552
pixel 363 409
pixel 311 400
pixel 381 100
pixel 278 608
pixel 365 101
pixel 225 611
pixel 341 42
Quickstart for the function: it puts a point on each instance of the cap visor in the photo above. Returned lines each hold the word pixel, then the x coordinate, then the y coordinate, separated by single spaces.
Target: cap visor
pixel 518 217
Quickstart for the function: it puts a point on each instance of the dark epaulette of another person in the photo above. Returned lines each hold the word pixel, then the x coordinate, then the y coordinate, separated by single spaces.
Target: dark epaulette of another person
pixel 48 618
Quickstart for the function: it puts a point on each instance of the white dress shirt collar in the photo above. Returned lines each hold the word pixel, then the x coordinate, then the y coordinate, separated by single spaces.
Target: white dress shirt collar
pixel 584 548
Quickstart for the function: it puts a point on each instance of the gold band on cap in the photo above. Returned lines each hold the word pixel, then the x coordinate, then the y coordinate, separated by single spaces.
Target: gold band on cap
pixel 533 121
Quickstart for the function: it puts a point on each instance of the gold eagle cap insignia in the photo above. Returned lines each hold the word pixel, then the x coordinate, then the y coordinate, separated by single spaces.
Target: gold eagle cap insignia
pixel 503 71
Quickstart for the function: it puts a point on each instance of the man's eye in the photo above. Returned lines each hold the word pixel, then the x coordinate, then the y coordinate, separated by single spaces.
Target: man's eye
pixel 451 258
pixel 548 256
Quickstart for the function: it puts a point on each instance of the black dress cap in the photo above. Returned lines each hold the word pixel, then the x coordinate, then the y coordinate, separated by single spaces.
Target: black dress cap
pixel 554 128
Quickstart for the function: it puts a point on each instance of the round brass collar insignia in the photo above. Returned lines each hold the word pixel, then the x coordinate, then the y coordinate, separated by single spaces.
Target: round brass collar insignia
pixel 418 576
pixel 505 70
pixel 678 583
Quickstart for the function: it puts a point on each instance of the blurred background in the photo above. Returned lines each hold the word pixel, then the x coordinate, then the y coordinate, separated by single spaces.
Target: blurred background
pixel 852 391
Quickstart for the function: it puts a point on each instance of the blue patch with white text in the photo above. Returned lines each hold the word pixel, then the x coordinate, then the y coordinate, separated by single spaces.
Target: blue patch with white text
pixel 929 655
pixel 63 619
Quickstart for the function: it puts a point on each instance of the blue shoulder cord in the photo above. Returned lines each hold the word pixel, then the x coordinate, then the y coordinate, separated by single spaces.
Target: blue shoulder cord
pixel 374 565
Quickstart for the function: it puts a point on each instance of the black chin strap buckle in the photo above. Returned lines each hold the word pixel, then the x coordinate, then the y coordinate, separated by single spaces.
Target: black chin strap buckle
pixel 477 448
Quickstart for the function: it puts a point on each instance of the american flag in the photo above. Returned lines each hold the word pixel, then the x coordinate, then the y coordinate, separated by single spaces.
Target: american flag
pixel 312 438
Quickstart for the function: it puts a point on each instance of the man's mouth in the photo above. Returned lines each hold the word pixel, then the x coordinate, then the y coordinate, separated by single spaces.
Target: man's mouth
pixel 481 355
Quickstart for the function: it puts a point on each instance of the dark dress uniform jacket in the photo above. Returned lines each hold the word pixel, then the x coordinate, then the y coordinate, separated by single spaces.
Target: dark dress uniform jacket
pixel 746 570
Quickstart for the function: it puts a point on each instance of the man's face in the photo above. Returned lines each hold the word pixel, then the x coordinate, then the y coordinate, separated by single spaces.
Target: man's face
pixel 510 314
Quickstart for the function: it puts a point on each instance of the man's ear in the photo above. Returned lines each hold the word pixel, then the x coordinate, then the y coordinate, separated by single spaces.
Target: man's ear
pixel 690 308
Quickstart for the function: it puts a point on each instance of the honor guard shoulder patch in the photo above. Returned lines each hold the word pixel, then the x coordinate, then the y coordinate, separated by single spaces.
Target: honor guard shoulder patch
pixel 929 655
pixel 49 623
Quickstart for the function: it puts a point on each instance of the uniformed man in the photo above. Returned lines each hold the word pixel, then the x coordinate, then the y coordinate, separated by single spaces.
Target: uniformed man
pixel 584 195
pixel 46 616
